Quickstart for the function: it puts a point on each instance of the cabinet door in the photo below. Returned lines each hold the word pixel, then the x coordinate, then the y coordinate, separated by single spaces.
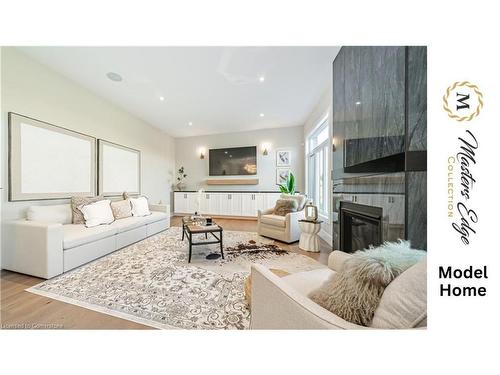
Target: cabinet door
pixel 213 203
pixel 235 204
pixel 248 204
pixel 271 199
pixel 260 202
pixel 225 204
pixel 180 203
pixel 192 203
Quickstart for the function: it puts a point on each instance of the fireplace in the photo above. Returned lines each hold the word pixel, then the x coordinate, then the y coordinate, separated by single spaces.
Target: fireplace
pixel 360 226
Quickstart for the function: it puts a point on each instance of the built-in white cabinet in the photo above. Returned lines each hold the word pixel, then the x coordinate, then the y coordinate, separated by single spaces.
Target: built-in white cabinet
pixel 230 204
pixel 224 203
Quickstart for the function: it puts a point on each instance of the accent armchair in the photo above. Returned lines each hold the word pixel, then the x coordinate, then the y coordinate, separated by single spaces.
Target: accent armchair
pixel 282 228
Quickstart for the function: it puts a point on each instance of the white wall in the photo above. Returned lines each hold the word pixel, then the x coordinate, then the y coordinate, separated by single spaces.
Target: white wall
pixel 34 90
pixel 322 109
pixel 187 155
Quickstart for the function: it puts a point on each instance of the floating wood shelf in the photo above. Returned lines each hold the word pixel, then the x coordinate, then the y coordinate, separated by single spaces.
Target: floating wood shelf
pixel 234 181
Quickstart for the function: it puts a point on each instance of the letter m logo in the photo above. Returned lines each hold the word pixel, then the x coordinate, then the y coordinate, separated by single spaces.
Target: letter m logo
pixel 462 99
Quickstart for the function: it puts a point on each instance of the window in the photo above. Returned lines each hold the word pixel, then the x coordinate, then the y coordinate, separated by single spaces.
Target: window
pixel 317 167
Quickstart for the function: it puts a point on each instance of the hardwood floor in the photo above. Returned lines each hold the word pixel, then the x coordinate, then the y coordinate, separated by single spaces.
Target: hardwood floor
pixel 23 310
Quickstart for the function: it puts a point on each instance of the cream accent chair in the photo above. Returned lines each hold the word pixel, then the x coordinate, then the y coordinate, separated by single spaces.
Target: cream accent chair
pixel 282 302
pixel 282 228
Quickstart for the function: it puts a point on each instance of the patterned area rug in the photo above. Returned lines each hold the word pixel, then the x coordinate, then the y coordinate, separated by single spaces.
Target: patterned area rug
pixel 150 282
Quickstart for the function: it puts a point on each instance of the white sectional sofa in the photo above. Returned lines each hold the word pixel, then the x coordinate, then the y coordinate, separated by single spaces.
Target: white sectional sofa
pixel 48 248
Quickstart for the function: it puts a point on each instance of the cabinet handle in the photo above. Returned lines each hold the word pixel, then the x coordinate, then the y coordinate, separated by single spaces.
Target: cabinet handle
pixel 185 196
pixel 229 196
pixel 208 196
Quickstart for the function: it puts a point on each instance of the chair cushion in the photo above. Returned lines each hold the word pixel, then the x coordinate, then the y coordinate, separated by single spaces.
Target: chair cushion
pixel 77 234
pixel 285 206
pixel 404 302
pixel 59 213
pixel 274 220
pixel 307 281
pixel 301 200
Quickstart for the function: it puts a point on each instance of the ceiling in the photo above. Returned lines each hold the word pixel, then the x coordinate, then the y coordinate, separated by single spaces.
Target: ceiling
pixel 216 89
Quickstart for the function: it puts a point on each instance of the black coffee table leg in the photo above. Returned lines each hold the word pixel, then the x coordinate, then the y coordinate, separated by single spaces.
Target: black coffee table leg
pixel 183 229
pixel 221 247
pixel 190 246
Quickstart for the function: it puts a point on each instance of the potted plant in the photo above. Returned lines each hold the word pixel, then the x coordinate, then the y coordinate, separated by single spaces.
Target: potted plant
pixel 289 186
pixel 181 176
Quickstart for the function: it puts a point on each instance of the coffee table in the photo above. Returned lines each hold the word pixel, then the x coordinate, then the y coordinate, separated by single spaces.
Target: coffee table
pixel 188 229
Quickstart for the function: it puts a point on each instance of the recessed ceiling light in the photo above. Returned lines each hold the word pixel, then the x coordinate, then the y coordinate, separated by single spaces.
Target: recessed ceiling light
pixel 262 78
pixel 358 103
pixel 115 77
pixel 190 123
pixel 261 115
pixel 162 98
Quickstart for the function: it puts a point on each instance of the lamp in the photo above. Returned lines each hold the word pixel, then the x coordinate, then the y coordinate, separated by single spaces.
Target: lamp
pixel 265 148
pixel 201 151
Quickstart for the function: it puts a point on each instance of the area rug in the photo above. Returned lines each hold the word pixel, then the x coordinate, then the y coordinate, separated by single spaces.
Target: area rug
pixel 150 282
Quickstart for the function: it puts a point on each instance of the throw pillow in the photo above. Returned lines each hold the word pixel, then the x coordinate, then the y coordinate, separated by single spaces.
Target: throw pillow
pixel 301 200
pixel 285 206
pixel 59 213
pixel 354 292
pixel 140 206
pixel 121 209
pixel 404 302
pixel 97 213
pixel 81 201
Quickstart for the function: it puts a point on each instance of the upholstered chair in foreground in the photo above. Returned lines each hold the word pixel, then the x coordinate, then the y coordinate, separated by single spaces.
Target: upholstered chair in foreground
pixel 283 303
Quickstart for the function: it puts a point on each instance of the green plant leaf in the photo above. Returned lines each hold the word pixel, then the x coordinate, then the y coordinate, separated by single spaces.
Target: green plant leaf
pixel 283 189
pixel 291 183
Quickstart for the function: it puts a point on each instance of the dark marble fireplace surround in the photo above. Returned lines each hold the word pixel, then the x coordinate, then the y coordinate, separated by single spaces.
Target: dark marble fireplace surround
pixel 380 145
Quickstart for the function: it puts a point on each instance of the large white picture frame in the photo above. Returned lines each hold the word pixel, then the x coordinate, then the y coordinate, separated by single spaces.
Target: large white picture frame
pixel 119 169
pixel 48 161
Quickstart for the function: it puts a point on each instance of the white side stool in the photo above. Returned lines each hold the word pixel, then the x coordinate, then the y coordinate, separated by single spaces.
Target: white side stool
pixel 309 239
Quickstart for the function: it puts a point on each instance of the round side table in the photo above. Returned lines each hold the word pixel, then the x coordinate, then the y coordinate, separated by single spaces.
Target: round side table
pixel 309 239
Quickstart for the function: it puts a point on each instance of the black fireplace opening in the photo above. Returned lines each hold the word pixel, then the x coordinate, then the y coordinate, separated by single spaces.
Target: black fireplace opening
pixel 360 226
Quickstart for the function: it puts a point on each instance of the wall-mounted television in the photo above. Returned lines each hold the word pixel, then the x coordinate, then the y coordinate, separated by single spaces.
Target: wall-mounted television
pixel 235 161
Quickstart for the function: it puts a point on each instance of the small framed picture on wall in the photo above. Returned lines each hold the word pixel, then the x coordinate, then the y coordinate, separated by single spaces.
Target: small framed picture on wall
pixel 282 175
pixel 283 158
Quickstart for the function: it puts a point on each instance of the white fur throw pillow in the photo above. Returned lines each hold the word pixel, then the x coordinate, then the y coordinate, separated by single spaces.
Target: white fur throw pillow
pixel 354 292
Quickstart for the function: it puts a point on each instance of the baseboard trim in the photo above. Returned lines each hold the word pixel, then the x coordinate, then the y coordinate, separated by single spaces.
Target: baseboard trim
pixel 224 217
pixel 324 235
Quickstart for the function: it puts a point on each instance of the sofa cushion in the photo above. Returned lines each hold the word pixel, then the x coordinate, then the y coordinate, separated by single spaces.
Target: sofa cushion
pixel 140 206
pixel 121 209
pixel 274 220
pixel 154 217
pixel 78 202
pixel 133 222
pixel 128 223
pixel 58 214
pixel 77 234
pixel 404 302
pixel 307 281
pixel 97 213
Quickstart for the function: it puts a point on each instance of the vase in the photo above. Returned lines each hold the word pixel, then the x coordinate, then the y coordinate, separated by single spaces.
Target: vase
pixel 180 186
